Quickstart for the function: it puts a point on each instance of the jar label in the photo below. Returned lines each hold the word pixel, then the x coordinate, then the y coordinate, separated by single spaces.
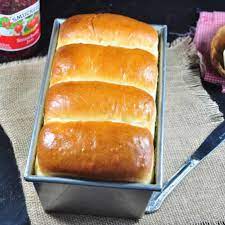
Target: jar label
pixel 20 30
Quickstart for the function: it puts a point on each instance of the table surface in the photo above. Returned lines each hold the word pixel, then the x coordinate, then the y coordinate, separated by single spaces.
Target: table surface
pixel 180 16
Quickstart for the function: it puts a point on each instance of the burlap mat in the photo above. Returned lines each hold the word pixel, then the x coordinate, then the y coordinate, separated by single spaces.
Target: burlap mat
pixel 190 116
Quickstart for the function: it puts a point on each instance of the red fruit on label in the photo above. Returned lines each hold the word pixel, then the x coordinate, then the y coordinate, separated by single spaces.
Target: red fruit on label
pixel 9 24
pixel 36 18
pixel 18 28
pixel 6 24
pixel 33 22
pixel 29 25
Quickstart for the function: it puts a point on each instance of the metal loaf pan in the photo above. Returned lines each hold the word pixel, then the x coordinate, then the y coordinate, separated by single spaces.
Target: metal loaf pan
pixel 70 195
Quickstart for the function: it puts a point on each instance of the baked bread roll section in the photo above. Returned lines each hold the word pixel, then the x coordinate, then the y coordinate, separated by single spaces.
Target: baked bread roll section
pixel 98 101
pixel 109 29
pixel 97 150
pixel 100 110
pixel 79 62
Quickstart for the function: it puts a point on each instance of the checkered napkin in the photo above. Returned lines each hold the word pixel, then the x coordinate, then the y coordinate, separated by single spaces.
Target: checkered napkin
pixel 207 25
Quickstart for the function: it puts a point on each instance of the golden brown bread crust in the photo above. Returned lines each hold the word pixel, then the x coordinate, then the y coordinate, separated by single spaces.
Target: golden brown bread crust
pixel 97 101
pixel 79 62
pixel 96 150
pixel 108 29
pixel 216 51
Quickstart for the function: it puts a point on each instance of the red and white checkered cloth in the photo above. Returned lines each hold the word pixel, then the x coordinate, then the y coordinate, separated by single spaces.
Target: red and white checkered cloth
pixel 207 25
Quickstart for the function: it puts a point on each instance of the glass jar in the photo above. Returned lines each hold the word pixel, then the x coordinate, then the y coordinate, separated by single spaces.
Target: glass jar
pixel 19 28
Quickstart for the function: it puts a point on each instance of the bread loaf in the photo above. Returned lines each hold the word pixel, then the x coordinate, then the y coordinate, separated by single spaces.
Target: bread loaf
pixel 100 111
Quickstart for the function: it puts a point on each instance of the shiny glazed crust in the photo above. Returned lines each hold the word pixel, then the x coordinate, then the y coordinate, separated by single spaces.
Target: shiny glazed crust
pixel 97 101
pixel 100 112
pixel 96 150
pixel 80 62
pixel 216 51
pixel 109 29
